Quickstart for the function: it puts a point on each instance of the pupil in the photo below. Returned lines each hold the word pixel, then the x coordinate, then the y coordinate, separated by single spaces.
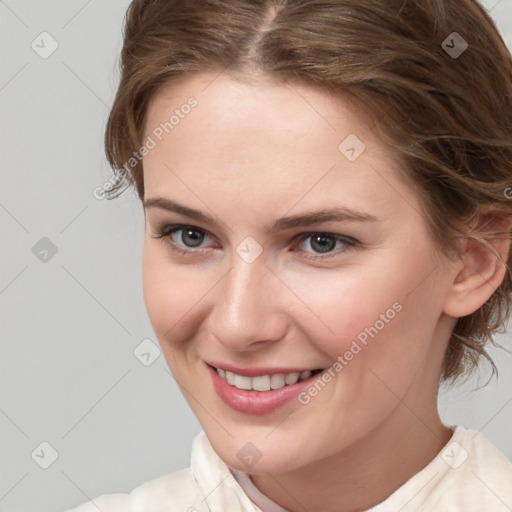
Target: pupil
pixel 326 243
pixel 192 240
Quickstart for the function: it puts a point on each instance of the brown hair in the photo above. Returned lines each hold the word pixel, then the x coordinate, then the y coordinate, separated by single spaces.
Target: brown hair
pixel 446 114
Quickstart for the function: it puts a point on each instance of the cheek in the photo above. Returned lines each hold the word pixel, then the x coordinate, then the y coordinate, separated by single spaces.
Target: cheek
pixel 343 307
pixel 171 293
pixel 377 315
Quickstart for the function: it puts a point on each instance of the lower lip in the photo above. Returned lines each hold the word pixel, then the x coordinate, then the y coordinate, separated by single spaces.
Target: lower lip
pixel 257 402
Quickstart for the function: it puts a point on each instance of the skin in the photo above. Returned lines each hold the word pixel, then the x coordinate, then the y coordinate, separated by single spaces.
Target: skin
pixel 249 154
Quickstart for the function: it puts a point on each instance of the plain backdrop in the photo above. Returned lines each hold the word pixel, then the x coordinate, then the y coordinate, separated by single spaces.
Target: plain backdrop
pixel 80 413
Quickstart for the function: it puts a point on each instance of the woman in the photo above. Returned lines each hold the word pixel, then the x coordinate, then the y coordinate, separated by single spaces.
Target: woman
pixel 327 239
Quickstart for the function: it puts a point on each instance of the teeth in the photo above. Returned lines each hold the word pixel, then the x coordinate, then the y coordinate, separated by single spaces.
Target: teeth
pixel 260 383
pixel 305 375
pixel 277 381
pixel 291 378
pixel 263 382
pixel 242 382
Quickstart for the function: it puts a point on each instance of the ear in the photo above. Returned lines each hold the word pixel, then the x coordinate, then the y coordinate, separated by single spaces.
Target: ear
pixel 479 271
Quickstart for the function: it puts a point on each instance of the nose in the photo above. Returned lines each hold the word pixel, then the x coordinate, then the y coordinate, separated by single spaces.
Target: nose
pixel 248 310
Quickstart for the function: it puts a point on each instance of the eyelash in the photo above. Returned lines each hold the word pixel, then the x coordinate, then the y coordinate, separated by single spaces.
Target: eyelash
pixel 167 231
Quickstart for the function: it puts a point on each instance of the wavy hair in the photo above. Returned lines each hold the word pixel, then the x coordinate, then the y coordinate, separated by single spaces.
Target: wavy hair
pixel 446 114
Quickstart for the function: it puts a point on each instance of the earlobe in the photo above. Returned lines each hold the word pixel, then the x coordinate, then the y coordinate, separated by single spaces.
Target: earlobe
pixel 478 273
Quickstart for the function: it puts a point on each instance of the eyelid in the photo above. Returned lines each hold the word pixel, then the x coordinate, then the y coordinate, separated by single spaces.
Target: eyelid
pixel 338 236
pixel 350 244
pixel 168 230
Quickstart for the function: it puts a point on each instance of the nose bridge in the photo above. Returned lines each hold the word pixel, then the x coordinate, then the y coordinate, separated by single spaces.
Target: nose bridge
pixel 247 307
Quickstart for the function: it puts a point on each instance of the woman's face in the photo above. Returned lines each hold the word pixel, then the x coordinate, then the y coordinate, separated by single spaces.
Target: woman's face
pixel 295 248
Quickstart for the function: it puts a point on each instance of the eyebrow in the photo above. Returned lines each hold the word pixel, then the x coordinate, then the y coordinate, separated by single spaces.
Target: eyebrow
pixel 339 214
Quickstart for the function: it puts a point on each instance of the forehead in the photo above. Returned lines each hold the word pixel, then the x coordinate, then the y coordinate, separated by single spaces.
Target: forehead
pixel 291 139
pixel 262 107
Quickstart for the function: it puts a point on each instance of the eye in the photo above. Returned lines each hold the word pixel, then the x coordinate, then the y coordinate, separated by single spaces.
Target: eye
pixel 325 243
pixel 186 239
pixel 191 237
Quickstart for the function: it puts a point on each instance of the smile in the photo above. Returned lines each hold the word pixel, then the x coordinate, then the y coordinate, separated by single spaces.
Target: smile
pixel 264 382
pixel 261 390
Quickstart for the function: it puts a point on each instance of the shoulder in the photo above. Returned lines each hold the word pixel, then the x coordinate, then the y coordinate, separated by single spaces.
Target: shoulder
pixel 478 475
pixel 488 463
pixel 470 474
pixel 175 491
pixel 195 489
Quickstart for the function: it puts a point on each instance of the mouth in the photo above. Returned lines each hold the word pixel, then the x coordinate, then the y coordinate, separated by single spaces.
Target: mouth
pixel 263 391
pixel 264 382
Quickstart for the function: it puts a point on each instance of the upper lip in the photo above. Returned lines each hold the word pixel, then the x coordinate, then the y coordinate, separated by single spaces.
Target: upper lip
pixel 258 370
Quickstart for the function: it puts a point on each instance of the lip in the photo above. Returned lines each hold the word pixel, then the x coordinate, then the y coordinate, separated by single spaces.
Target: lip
pixel 257 402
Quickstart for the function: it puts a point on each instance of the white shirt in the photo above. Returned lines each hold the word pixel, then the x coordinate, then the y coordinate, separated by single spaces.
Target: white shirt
pixel 469 475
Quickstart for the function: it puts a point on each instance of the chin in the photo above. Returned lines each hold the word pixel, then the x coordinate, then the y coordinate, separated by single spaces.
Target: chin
pixel 270 459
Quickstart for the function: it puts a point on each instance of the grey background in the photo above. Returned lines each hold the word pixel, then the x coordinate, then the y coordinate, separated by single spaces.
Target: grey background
pixel 70 324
